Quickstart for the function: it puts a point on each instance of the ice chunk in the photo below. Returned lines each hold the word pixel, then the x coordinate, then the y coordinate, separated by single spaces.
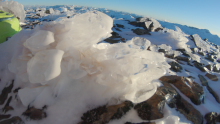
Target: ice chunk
pixel 141 43
pixel 14 8
pixel 95 26
pixel 39 41
pixel 44 66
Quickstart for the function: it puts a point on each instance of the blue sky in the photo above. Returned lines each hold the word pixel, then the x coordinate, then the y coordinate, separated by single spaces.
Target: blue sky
pixel 204 14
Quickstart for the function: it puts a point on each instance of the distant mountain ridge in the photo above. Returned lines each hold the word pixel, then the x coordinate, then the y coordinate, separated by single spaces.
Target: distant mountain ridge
pixel 203 33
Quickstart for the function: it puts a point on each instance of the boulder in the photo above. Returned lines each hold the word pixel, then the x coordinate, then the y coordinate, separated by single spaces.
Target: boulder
pixel 199 66
pixel 212 77
pixel 139 31
pixel 214 94
pixel 35 114
pixel 186 59
pixel 152 108
pixel 175 66
pixel 185 85
pixel 212 117
pixel 209 67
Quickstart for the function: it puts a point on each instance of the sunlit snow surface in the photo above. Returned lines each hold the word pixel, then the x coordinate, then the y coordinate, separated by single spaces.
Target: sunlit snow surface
pixel 60 64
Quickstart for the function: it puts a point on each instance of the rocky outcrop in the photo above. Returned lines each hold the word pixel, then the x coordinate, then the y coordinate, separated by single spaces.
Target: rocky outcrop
pixel 5 92
pixel 175 67
pixel 199 66
pixel 105 113
pixel 139 31
pixel 189 88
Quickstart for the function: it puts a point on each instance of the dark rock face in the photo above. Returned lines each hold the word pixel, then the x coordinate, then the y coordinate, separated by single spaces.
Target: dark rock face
pixel 183 51
pixel 203 80
pixel 214 94
pixel 7 107
pixel 139 31
pixel 35 114
pixel 199 66
pixel 5 92
pixel 210 57
pixel 120 26
pixel 212 117
pixel 216 69
pixel 102 115
pixel 13 120
pixel 212 77
pixel 182 105
pixel 189 88
pixel 158 29
pixel 209 67
pixel 186 59
pixel 47 11
pixel 115 38
pixel 152 108
pixel 175 67
pixel 4 116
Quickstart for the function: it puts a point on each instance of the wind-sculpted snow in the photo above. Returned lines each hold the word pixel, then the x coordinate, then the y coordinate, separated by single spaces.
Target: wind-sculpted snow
pixel 61 58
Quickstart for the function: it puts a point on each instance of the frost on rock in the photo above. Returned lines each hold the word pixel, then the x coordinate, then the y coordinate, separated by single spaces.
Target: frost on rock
pixel 14 8
pixel 63 57
pixel 201 43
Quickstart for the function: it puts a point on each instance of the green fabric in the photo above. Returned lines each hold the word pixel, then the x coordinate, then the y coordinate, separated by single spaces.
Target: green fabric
pixel 8 26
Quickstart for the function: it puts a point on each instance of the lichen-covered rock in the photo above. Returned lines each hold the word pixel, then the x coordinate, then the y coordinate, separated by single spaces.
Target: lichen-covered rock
pixel 175 67
pixel 152 108
pixel 212 117
pixel 189 88
pixel 104 114
pixel 5 92
pixel 212 77
pixel 13 120
pixel 35 114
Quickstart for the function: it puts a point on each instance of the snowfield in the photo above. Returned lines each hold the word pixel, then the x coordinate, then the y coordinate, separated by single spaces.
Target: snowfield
pixel 71 60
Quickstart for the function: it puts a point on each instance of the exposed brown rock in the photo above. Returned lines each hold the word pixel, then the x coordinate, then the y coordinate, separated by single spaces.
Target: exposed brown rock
pixel 5 92
pixel 191 89
pixel 212 77
pixel 183 106
pixel 104 114
pixel 35 114
pixel 152 108
pixel 13 120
